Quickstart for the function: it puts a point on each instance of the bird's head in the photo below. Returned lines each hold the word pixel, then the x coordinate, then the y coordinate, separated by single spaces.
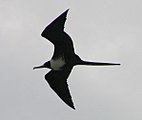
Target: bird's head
pixel 45 65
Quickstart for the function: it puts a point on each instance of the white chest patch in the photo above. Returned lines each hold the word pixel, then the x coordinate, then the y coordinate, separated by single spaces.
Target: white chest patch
pixel 57 64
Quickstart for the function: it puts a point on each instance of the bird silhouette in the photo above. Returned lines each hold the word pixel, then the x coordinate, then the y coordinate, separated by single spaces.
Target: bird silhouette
pixel 63 59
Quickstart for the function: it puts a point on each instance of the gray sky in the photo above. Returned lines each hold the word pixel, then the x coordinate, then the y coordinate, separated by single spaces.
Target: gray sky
pixel 113 30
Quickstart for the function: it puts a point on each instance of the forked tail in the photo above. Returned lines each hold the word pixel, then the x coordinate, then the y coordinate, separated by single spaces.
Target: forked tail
pixel 97 63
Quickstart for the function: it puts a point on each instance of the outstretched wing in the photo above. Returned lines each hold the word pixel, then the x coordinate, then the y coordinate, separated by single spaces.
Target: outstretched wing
pixel 54 32
pixel 58 82
pixel 55 26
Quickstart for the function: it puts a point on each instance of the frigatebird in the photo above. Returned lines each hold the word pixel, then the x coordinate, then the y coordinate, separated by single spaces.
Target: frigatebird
pixel 63 60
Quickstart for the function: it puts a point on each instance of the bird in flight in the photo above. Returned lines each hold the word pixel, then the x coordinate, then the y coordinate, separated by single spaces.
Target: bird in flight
pixel 63 59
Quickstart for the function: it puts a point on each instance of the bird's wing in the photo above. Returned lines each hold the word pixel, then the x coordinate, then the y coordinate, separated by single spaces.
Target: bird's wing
pixel 54 32
pixel 56 25
pixel 58 82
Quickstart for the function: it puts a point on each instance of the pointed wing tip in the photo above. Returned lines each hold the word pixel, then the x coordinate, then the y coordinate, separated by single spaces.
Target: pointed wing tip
pixel 56 25
pixel 67 10
pixel 73 108
pixel 71 105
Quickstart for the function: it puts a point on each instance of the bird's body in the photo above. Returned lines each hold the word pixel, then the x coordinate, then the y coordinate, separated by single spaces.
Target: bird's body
pixel 63 60
pixel 57 64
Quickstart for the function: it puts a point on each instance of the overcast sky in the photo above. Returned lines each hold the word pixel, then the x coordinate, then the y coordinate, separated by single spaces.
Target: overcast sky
pixel 102 30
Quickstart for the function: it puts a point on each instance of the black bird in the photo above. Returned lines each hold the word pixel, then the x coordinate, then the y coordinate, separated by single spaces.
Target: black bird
pixel 63 60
